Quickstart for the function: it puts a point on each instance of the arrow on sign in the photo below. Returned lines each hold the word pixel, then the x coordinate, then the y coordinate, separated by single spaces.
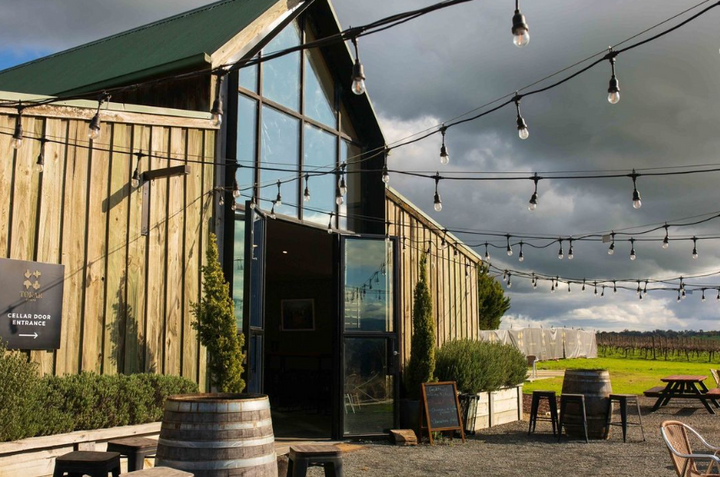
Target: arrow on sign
pixel 34 335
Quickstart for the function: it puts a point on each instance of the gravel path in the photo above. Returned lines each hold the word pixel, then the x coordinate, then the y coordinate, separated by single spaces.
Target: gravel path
pixel 508 450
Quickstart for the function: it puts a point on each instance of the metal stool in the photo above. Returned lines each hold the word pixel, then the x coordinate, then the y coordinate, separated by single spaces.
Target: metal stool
pixel 94 464
pixel 537 397
pixel 135 448
pixel 578 399
pixel 623 399
pixel 303 456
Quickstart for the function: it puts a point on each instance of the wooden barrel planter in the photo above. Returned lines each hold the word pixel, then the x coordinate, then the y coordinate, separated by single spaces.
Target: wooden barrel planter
pixel 595 385
pixel 218 435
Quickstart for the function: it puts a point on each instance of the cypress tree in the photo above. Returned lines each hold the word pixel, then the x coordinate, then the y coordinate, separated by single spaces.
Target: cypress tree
pixel 216 327
pixel 421 367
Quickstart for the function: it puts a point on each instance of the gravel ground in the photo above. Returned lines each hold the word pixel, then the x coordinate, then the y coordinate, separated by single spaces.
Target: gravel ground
pixel 508 450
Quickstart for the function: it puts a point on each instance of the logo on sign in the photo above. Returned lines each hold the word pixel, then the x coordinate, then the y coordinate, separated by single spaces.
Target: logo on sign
pixel 32 280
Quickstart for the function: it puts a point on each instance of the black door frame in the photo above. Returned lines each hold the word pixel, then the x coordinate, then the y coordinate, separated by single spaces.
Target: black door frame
pixel 340 335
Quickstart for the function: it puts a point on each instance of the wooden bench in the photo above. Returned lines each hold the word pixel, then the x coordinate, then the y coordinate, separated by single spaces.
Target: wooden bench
pixel 654 392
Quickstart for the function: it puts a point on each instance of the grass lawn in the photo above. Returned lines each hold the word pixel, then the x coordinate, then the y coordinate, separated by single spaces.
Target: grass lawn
pixel 630 376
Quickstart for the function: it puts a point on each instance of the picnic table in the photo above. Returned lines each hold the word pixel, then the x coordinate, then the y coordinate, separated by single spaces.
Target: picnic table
pixel 684 387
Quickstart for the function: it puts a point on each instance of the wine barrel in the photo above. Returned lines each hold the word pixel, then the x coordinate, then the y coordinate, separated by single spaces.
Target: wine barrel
pixel 595 385
pixel 218 435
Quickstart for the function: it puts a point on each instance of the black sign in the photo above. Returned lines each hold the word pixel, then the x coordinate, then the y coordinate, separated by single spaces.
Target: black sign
pixel 440 409
pixel 31 297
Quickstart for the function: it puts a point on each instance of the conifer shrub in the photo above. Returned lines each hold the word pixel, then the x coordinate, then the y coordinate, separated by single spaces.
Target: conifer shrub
pixel 421 366
pixel 216 326
pixel 480 365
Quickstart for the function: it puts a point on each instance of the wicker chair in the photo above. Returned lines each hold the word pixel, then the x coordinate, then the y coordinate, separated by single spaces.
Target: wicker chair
pixel 675 434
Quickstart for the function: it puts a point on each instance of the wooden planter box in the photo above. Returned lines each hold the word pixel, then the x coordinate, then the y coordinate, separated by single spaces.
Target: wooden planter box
pixel 499 407
pixel 35 457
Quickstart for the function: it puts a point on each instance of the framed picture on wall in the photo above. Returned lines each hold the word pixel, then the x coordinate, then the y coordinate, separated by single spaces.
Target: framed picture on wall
pixel 297 315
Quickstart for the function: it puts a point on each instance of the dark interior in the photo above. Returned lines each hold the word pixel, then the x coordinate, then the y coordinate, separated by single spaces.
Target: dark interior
pixel 299 344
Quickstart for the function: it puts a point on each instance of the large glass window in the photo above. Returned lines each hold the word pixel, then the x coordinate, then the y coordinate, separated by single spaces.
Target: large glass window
pixel 281 76
pixel 319 156
pixel 298 105
pixel 279 150
pixel 239 271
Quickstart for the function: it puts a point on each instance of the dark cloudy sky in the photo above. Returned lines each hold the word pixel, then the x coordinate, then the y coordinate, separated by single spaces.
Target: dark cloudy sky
pixel 449 62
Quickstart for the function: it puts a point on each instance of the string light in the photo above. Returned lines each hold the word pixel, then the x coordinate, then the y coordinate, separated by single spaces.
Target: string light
pixel 444 157
pixel 552 287
pixel 330 223
pixel 614 86
pixel 509 280
pixel 694 252
pixel 234 206
pixel 520 30
pixel 534 281
pixel 637 203
pixel 603 291
pixel 505 273
pixel 666 240
pixel 569 290
pixel 521 124
pixel 272 210
pixel 385 175
pixel 718 295
pixel 633 256
pixel 338 196
pixel 235 189
pixel 487 254
pixel 560 252
pixel 521 257
pixel 645 287
pixel 640 296
pixel 436 200
pixel 571 255
pixel 509 248
pixel 18 133
pixel 40 164
pixel 533 203
pixel 94 127
pixel 583 286
pixel 596 292
pixel 135 179
pixel 639 290
pixel 217 106
pixel 614 287
pixel 679 296
pixel 221 200
pixel 358 75
pixel 611 250
pixel 306 194
pixel 702 298
pixel 342 185
pixel 278 199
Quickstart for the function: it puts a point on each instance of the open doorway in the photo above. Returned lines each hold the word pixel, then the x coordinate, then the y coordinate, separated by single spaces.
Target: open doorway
pixel 300 322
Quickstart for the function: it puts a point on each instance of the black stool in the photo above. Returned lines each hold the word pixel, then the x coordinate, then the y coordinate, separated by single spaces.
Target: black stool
pixel 537 397
pixel 624 399
pixel 135 448
pixel 304 456
pixel 94 464
pixel 579 400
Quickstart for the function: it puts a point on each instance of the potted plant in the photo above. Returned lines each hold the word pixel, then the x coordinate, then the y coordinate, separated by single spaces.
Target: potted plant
pixel 421 366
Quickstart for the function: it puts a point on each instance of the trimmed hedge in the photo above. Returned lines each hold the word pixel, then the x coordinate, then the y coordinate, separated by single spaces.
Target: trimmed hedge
pixel 480 365
pixel 37 406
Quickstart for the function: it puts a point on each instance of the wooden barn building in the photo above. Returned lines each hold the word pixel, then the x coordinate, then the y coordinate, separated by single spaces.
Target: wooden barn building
pixel 327 316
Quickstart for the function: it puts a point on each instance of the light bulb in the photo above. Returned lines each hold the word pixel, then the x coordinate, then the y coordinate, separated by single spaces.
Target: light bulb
pixel 521 39
pixel 437 202
pixel 504 278
pixel 236 190
pixel 560 253
pixel 487 256
pixel 695 254
pixel 637 203
pixel 632 254
pixel 217 119
pixel 521 257
pixel 532 205
pixel 94 133
pixel 571 255
pixel 520 30
pixel 614 85
pixel 611 250
pixel 509 251
pixel 94 127
pixel 221 201
pixel 666 243
pixel 40 164
pixel 278 199
pixel 358 84
pixel 17 142
pixel 444 157
pixel 614 97
pixel 702 298
pixel 233 206
pixel 552 287
pixel 640 296
pixel 135 181
pixel 569 290
pixel 385 175
pixel 535 284
pixel 523 133
pixel 339 200
pixel 343 186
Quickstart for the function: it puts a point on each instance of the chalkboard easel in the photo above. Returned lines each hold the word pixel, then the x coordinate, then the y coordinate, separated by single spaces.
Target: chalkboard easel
pixel 440 409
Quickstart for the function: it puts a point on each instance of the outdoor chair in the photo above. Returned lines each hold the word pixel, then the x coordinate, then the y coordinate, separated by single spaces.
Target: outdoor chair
pixel 716 376
pixel 675 434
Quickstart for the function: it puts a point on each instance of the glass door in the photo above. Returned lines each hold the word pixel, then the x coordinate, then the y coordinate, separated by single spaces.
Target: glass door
pixel 369 338
pixel 254 304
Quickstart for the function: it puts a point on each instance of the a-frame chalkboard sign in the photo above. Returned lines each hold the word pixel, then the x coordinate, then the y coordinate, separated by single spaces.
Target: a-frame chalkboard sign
pixel 440 409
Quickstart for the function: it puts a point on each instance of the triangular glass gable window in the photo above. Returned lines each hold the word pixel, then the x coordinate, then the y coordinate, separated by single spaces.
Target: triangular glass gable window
pixel 319 87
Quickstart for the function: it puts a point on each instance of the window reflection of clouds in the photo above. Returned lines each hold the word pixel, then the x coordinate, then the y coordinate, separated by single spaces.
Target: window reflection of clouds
pixel 368 285
pixel 320 151
pixel 280 143
pixel 281 76
pixel 239 271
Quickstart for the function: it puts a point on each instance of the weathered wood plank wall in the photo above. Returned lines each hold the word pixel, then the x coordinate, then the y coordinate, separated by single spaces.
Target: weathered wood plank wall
pixel 127 296
pixel 452 274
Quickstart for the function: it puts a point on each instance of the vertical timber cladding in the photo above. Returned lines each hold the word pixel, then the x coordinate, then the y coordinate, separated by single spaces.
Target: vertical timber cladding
pixel 127 296
pixel 454 294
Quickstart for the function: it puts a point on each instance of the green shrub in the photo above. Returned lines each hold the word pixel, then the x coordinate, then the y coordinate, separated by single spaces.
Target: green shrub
pixel 34 405
pixel 480 366
pixel 19 395
pixel 421 366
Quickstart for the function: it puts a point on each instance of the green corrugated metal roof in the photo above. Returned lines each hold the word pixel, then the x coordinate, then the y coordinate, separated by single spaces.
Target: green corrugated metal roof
pixel 179 42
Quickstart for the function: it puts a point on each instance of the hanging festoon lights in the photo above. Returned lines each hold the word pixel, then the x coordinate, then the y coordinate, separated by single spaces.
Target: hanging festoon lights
pixel 611 249
pixel 217 106
pixel 278 198
pixel 509 280
pixel 444 156
pixel 633 256
pixel 509 248
pixel 358 76
pixel 521 124
pixel 272 210
pixel 666 240
pixel 533 203
pixel 679 297
pixel 595 284
pixel 702 298
pixel 602 294
pixel 694 252
pixel 385 175
pixel 135 179
pixel 520 30
pixel 338 196
pixel 583 286
pixel 571 254
pixel 306 194
pixel 521 257
pixel 614 287
pixel 437 201
pixel 504 277
pixel 235 189
pixel 17 137
pixel 561 254
pixel 330 223
pixel 637 203
pixel 569 290
pixel 487 253
pixel 342 185
pixel 40 163
pixel 94 127
pixel 614 86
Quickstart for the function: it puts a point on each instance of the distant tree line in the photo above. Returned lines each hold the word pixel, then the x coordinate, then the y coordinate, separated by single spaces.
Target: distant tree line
pixel 673 345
